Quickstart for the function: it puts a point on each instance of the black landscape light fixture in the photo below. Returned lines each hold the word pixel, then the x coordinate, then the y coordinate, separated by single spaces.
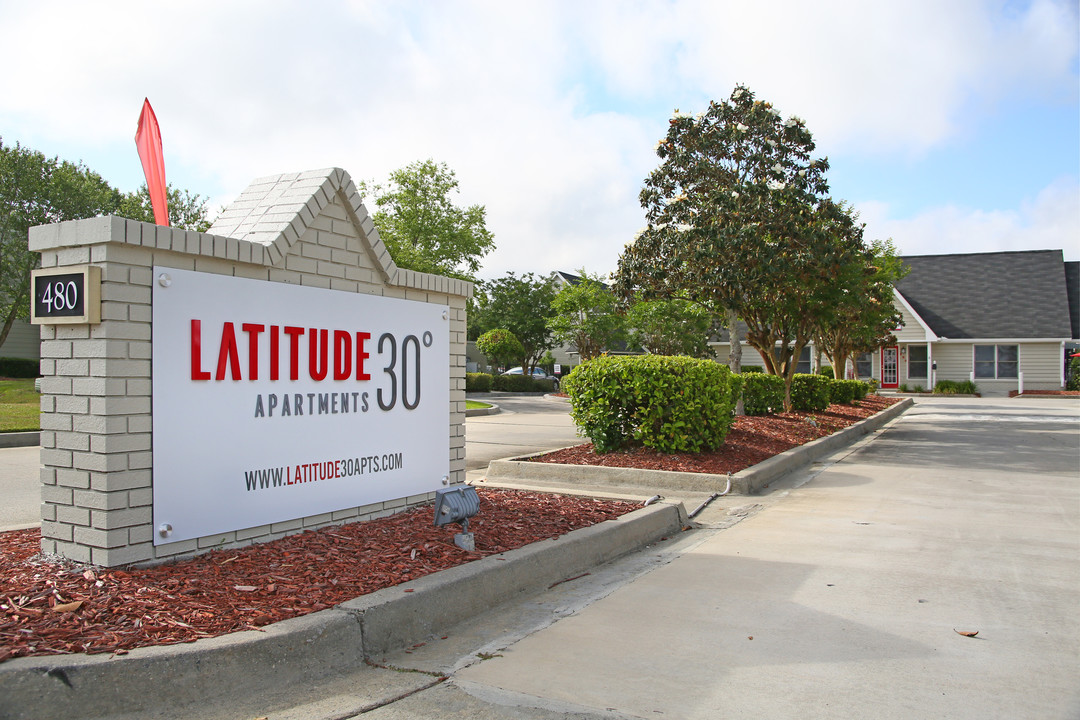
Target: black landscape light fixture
pixel 457 505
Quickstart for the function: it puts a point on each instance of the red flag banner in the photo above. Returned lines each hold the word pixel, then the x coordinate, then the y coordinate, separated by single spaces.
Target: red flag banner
pixel 148 141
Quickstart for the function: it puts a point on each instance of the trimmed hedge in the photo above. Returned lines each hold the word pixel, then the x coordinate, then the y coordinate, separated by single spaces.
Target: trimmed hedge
pixel 669 404
pixel 762 394
pixel 517 383
pixel 826 371
pixel 810 393
pixel 846 392
pixel 952 387
pixel 478 382
pixel 19 368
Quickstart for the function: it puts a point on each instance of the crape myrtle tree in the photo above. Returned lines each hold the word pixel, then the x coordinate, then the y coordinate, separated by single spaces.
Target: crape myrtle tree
pixel 521 305
pixel 499 346
pixel 671 327
pixel 739 221
pixel 422 227
pixel 586 316
pixel 864 316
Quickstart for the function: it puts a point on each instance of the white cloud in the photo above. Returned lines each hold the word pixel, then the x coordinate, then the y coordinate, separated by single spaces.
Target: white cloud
pixel 1048 221
pixel 547 112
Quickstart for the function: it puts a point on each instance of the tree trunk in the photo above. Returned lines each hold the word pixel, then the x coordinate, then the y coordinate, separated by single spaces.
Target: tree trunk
pixel 735 357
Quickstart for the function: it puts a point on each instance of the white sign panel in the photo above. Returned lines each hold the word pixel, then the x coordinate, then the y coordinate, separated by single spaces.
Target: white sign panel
pixel 273 402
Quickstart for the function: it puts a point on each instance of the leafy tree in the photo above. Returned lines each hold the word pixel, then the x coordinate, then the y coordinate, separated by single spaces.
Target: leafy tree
pixel 740 222
pixel 671 327
pixel 422 228
pixel 36 190
pixel 586 316
pixel 500 346
pixel 186 210
pixel 864 317
pixel 521 305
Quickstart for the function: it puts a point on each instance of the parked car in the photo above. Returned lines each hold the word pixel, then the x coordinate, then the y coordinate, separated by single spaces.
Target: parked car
pixel 537 374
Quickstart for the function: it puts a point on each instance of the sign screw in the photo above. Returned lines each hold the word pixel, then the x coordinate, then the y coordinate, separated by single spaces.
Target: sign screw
pixel 164 529
pixel 164 280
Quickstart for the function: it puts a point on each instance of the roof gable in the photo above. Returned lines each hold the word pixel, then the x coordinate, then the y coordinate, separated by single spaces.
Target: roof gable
pixel 277 211
pixel 989 295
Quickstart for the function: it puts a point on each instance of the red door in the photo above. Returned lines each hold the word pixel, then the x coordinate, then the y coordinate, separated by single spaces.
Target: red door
pixel 890 375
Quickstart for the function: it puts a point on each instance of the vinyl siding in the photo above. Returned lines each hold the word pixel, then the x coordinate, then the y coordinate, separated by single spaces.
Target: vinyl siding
pixel 23 341
pixel 911 331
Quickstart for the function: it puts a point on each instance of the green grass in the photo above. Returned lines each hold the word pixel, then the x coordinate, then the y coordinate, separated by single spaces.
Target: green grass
pixel 20 406
pixel 474 405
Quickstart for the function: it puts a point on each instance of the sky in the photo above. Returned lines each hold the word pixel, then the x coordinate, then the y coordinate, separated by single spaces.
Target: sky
pixel 951 127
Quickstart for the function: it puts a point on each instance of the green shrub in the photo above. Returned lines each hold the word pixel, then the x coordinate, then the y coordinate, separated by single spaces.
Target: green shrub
pixel 871 385
pixel 952 387
pixel 846 392
pixel 917 389
pixel 477 382
pixel 1074 375
pixel 862 389
pixel 752 369
pixel 902 387
pixel 669 404
pixel 826 371
pixel 809 393
pixel 19 368
pixel 762 394
pixel 516 383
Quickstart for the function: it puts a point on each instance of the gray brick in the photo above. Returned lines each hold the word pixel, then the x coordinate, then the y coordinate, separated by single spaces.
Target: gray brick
pixel 99 463
pixel 71 515
pixel 68 478
pixel 56 494
pixel 101 500
pixel 113 519
pixel 72 551
pixel 48 512
pixel 112 557
pixel 57 531
pixel 101 538
pixel 141 534
pixel 213 541
pixel 140 497
pixel 116 481
pixel 124 443
pixel 56 458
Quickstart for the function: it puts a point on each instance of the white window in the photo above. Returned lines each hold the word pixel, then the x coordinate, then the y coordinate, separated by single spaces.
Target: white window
pixel 997 361
pixel 916 364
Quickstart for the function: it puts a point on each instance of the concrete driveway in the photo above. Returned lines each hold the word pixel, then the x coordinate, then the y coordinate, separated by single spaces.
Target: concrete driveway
pixel 525 424
pixel 838 596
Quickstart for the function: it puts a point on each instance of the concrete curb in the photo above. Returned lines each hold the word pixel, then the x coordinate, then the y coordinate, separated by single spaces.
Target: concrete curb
pixel 20 439
pixel 478 412
pixel 744 482
pixel 320 645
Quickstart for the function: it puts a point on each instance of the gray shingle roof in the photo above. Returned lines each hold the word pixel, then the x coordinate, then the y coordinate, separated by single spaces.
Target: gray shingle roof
pixel 990 295
pixel 1072 289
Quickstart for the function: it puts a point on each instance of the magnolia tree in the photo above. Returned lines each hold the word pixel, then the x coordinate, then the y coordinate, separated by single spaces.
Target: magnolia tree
pixel 739 221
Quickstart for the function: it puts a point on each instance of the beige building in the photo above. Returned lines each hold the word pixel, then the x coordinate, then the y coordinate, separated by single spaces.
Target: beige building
pixel 1004 320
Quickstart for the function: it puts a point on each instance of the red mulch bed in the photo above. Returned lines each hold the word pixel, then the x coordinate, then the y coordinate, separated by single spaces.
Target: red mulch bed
pixel 52 607
pixel 751 440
